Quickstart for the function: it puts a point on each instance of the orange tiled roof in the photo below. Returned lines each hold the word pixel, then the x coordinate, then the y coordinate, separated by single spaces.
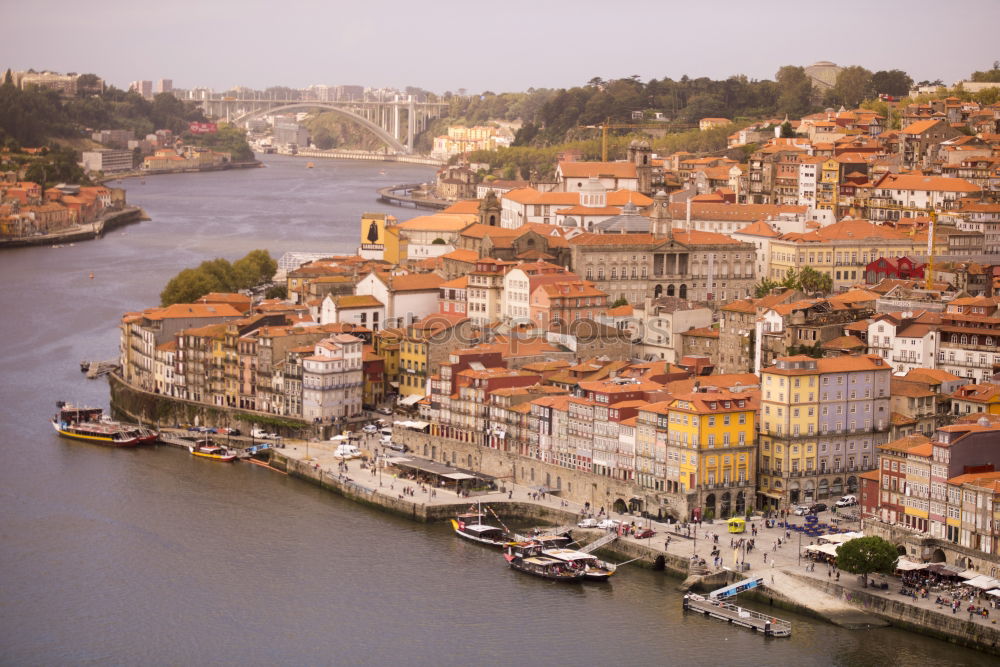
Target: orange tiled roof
pixel 462 255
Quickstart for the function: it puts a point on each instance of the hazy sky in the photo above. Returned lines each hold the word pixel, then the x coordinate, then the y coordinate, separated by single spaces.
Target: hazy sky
pixel 508 45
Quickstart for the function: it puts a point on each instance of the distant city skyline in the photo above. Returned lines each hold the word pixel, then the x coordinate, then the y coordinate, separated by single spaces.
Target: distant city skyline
pixel 504 48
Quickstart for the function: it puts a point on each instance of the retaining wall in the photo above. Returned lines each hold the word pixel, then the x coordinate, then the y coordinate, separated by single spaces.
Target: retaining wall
pixel 954 628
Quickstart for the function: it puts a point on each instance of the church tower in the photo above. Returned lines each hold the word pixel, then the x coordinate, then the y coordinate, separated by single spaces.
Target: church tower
pixel 641 155
pixel 660 222
pixel 489 210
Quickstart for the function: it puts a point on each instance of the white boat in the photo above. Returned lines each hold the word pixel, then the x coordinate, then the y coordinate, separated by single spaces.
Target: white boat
pixel 594 569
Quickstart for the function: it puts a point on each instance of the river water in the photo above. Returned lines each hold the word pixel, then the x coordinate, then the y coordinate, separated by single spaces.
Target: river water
pixel 149 557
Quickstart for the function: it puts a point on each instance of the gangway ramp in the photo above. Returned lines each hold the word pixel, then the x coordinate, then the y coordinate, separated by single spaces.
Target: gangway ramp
pixel 735 589
pixel 597 544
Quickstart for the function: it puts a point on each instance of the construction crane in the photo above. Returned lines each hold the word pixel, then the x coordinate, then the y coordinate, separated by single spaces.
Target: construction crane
pixel 608 125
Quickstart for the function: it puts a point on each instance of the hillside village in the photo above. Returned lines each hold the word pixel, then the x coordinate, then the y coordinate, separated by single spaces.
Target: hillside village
pixel 696 337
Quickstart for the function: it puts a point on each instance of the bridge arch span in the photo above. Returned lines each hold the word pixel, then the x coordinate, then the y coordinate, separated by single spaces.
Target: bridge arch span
pixel 390 140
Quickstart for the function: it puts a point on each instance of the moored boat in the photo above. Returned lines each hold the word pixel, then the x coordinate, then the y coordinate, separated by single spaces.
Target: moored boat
pixel 209 450
pixel 91 425
pixel 530 558
pixel 471 527
pixel 594 569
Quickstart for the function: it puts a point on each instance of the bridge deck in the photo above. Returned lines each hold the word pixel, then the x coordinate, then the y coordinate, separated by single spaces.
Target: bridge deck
pixel 726 611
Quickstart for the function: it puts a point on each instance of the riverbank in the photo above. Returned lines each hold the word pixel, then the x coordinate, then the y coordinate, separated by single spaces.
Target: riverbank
pixel 391 195
pixel 81 232
pixel 340 154
pixel 142 173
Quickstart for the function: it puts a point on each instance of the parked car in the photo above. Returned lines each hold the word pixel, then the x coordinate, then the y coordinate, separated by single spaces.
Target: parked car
pixel 394 446
pixel 847 501
pixel 645 534
pixel 608 524
pixel 370 428
pixel 588 523
pixel 816 508
pixel 801 510
pixel 229 431
pixel 384 411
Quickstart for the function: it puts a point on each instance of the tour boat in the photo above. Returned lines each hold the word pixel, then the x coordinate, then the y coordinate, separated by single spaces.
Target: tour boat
pixel 471 527
pixel 209 450
pixel 529 558
pixel 594 569
pixel 91 425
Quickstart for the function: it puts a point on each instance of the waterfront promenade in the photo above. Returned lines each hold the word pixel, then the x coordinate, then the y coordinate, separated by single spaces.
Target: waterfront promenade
pixel 787 576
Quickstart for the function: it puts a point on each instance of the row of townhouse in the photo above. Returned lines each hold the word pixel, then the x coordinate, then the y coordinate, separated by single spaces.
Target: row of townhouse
pixel 963 340
pixel 944 487
pixel 690 452
pixel 214 353
pixel 822 421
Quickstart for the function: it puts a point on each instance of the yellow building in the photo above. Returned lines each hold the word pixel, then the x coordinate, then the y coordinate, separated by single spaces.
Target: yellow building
pixel 821 423
pixel 380 238
pixel 712 434
pixel 386 343
pixel 843 250
pixel 828 184
pixel 412 366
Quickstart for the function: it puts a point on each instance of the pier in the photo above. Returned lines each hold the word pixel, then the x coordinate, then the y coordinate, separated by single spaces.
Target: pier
pixel 747 618
pixel 391 195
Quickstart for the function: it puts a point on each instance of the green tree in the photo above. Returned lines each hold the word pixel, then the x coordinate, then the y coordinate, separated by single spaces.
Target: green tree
pixel 786 131
pixel 894 82
pixel 854 84
pixel 764 287
pixel 324 140
pixel 278 291
pixel 254 269
pixel 865 555
pixel 795 91
pixel 187 286
pixel 620 301
pixel 218 275
pixel 791 280
pixel 811 280
pixel 990 75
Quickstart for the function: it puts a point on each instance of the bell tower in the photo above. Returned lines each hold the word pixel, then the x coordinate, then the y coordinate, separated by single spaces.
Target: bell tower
pixel 660 222
pixel 641 155
pixel 489 210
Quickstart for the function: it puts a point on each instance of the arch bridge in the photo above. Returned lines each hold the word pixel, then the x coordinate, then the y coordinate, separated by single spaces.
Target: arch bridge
pixel 384 119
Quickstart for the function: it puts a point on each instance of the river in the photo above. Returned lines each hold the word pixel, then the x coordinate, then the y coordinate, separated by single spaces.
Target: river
pixel 149 557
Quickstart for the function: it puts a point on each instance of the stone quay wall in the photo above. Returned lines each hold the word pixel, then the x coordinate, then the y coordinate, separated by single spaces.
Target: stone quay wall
pixel 573 485
pixel 950 627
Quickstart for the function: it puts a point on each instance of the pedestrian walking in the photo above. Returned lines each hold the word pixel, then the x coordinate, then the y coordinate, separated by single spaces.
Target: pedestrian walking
pixel 765 557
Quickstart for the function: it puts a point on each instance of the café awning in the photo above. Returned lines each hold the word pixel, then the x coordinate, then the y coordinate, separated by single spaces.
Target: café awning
pixel 412 399
pixel 908 565
pixel 983 582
